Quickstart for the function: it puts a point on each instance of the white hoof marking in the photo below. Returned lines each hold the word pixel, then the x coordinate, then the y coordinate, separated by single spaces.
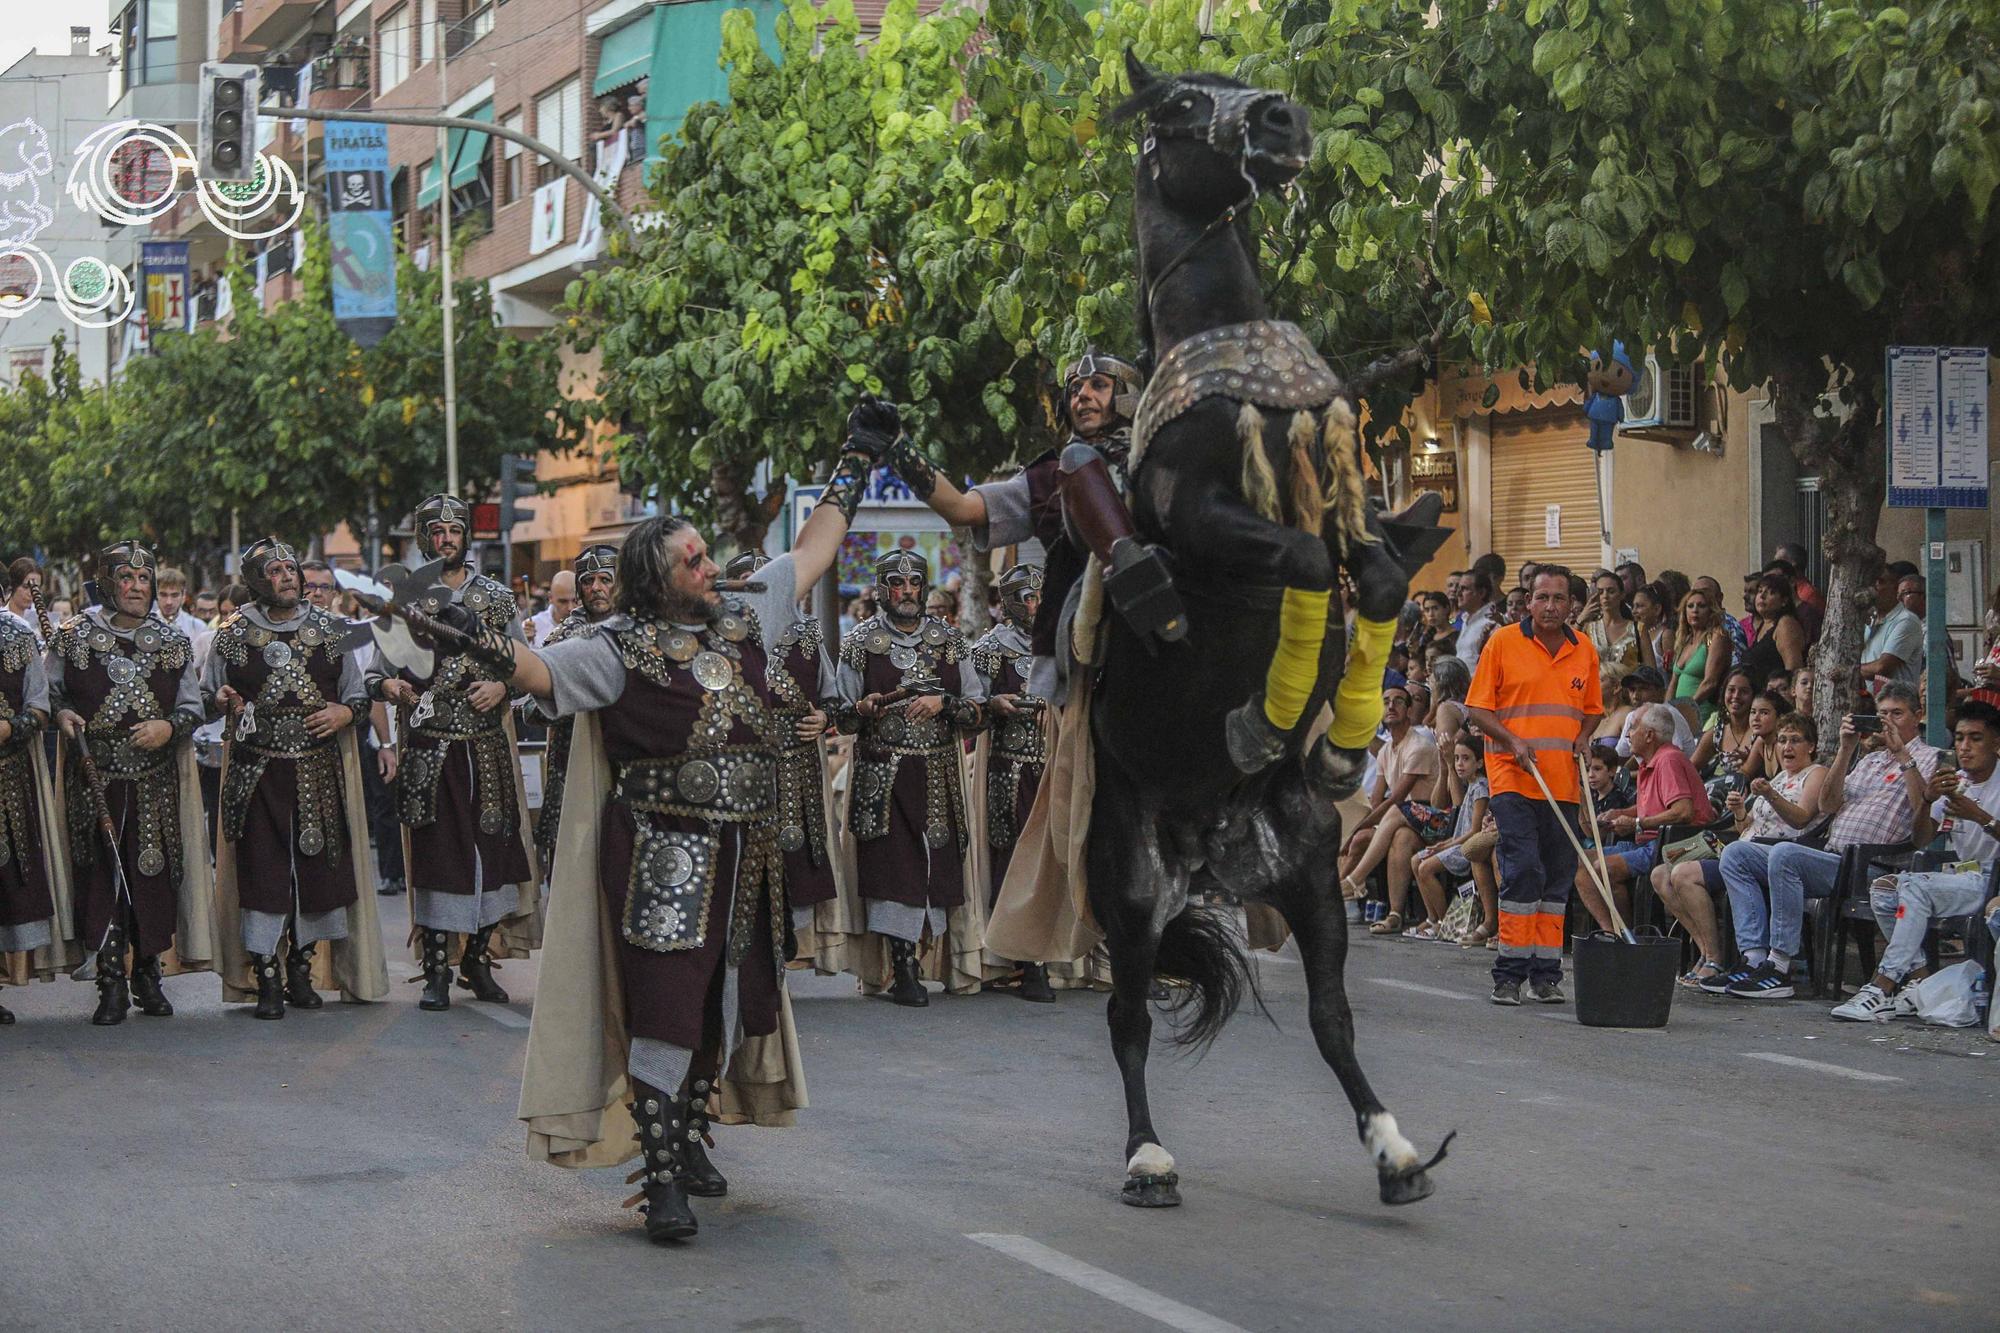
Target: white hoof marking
pixel 1150 1160
pixel 1386 1143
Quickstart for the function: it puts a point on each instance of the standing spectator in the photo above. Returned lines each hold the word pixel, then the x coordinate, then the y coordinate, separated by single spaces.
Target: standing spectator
pixel 208 736
pixel 1651 611
pixel 170 597
pixel 1701 658
pixel 636 146
pixel 1677 584
pixel 1432 865
pixel 316 583
pixel 1794 557
pixel 1456 580
pixel 1526 579
pixel 1534 695
pixel 562 601
pixel 1963 802
pixel 1894 648
pixel 1612 632
pixel 24 579
pixel 1811 617
pixel 1633 575
pixel 1877 802
pixel 205 606
pixel 1777 809
pixel 1406 763
pixel 1910 591
pixel 1517 605
pixel 1434 626
pixel 1739 636
pixel 1670 792
pixel 1986 671
pixel 1482 612
pixel 1777 636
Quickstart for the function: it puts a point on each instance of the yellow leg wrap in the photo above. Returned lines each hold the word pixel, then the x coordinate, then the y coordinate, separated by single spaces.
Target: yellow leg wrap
pixel 1295 666
pixel 1357 705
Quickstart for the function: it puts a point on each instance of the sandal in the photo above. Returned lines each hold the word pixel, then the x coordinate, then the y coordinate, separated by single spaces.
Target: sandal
pixel 1351 891
pixel 1391 924
pixel 1700 972
pixel 1426 932
pixel 1475 937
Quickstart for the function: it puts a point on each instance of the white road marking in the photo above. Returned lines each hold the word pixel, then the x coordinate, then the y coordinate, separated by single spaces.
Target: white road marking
pixel 1110 1286
pixel 1821 1067
pixel 1420 988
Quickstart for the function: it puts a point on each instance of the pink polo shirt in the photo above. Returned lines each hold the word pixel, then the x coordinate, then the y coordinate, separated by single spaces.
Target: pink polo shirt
pixel 1665 778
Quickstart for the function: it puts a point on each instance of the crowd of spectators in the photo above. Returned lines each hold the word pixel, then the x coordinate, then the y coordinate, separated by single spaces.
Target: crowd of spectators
pixel 1711 791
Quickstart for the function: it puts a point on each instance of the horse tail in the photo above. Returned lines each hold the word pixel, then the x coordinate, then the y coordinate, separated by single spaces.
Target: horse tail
pixel 1260 480
pixel 1308 495
pixel 1200 948
pixel 1346 494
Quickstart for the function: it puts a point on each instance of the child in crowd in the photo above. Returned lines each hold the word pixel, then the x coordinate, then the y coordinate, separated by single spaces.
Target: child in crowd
pixel 1438 867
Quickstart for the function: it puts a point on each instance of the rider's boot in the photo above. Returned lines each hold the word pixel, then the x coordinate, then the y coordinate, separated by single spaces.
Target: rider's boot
pixel 1035 984
pixel 113 996
pixel 299 992
pixel 908 988
pixel 703 1180
pixel 1136 578
pixel 270 986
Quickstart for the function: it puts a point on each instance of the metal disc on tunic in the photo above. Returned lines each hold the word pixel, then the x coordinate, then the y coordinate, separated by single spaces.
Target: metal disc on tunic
pixel 698 781
pixel 902 657
pixel 937 835
pixel 680 645
pixel 100 638
pixel 122 670
pixel 310 841
pixel 146 638
pixel 277 654
pixel 878 641
pixel 935 633
pixel 477 597
pixel 494 821
pixel 732 627
pixel 713 671
pixel 892 729
pixel 259 636
pixel 311 635
pixel 673 865
pixel 152 861
pixel 791 838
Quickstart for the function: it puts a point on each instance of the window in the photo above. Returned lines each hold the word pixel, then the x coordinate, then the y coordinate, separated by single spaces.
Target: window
pixel 149 41
pixel 512 155
pixel 559 124
pixel 427 32
pixel 392 43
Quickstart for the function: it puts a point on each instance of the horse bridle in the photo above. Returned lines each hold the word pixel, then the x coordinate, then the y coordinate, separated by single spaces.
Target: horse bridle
pixel 1228 133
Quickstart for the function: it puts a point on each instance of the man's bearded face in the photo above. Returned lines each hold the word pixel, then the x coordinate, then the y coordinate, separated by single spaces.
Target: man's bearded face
pixel 690 597
pixel 1090 410
pixel 283 576
pixel 903 594
pixel 596 591
pixel 448 540
pixel 132 591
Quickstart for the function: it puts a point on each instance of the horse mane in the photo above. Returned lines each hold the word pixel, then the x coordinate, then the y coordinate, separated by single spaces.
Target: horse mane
pixel 1149 99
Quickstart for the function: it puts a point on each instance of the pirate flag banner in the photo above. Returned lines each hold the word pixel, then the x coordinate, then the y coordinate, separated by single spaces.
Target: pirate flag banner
pixel 363 243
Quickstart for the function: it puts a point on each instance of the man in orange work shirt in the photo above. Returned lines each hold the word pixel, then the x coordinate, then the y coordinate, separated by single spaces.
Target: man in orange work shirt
pixel 1535 696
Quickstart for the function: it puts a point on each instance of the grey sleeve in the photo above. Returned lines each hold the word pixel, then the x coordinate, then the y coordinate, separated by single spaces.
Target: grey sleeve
pixel 847 684
pixel 52 676
pixel 353 687
pixel 35 686
pixel 214 672
pixel 829 678
pixel 971 684
pixel 187 699
pixel 774 606
pixel 588 674
pixel 1007 521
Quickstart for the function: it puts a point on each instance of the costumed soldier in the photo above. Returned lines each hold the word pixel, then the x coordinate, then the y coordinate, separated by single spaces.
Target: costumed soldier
pixel 596 571
pixel 906 690
pixel 123 680
pixel 1017 736
pixel 663 970
pixel 292 852
pixel 801 679
pixel 29 851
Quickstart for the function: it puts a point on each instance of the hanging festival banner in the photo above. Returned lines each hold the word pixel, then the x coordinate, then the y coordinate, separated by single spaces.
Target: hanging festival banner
pixel 164 267
pixel 363 243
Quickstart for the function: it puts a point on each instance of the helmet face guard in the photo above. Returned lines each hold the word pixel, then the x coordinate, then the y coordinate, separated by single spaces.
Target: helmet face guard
pixel 1015 587
pixel 257 559
pixel 120 556
pixel 1127 377
pixel 441 509
pixel 902 564
pixel 595 560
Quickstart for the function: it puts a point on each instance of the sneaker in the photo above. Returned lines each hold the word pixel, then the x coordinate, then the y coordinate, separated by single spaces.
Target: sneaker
pixel 1507 992
pixel 1869 1005
pixel 1766 983
pixel 1903 1004
pixel 1547 992
pixel 1722 981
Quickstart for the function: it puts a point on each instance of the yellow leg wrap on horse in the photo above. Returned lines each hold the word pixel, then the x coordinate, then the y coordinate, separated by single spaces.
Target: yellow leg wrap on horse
pixel 1295 666
pixel 1357 705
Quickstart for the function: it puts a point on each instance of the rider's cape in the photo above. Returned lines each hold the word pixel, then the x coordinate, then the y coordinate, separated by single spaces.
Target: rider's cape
pixel 574 1088
pixel 62 953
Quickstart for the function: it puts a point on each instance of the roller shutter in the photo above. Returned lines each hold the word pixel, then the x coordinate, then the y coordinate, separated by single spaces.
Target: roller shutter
pixel 1538 463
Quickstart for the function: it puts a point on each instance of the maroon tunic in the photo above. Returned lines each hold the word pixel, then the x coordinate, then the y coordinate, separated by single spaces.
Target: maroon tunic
pixel 24 881
pixel 1016 754
pixel 794 680
pixel 282 801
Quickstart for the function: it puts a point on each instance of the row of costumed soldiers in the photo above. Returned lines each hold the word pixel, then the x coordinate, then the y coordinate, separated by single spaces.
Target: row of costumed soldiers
pixel 892 845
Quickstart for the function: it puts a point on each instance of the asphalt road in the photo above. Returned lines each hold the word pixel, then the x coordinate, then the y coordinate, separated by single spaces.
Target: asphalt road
pixel 360 1168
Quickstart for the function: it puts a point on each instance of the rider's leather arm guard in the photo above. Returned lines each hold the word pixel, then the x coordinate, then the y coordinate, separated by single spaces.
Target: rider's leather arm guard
pixel 845 487
pixel 913 467
pixel 1096 518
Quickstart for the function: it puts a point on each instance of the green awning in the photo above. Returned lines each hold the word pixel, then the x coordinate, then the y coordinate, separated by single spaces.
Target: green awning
pixel 468 150
pixel 625 54
pixel 427 193
pixel 686 60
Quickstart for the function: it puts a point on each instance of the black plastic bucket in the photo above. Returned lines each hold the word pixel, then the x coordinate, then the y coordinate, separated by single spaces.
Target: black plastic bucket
pixel 1620 985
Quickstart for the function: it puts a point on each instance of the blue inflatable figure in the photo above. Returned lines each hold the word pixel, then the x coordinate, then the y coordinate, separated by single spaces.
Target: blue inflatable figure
pixel 1609 381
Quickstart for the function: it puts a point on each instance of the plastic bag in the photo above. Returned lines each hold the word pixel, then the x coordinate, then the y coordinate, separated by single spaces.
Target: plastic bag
pixel 1950 998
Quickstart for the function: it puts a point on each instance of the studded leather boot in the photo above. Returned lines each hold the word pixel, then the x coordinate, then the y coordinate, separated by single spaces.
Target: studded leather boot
pixel 662 1144
pixel 437 972
pixel 113 996
pixel 475 970
pixel 270 986
pixel 703 1180
pixel 1035 984
pixel 299 992
pixel 908 988
pixel 147 997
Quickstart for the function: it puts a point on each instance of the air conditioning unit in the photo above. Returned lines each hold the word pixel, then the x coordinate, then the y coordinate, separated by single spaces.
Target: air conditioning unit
pixel 1662 399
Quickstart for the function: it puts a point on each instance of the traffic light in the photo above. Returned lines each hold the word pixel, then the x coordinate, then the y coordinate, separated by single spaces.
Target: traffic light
pixel 517 478
pixel 226 136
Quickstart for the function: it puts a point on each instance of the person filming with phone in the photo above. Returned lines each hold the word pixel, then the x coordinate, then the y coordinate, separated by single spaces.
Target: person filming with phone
pixel 1878 801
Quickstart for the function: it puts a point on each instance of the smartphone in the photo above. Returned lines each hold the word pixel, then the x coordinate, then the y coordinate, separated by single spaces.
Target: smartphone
pixel 1866 724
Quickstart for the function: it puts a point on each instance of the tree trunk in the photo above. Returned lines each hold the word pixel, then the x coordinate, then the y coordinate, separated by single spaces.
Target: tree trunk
pixel 739 515
pixel 1849 462
pixel 973 618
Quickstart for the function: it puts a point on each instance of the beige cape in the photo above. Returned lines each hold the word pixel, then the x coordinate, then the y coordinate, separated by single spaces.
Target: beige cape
pixel 194 929
pixel 838 923
pixel 62 952
pixel 574 1089
pixel 354 966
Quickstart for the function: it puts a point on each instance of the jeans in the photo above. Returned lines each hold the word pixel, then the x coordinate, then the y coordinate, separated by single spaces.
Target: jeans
pixel 1906 904
pixel 1791 874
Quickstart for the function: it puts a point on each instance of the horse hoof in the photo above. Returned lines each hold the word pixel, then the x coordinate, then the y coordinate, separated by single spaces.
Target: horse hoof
pixel 1407 1187
pixel 1153 1191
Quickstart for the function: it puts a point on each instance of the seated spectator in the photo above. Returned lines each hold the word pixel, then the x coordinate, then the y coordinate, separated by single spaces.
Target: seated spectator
pixel 1777 809
pixel 1877 802
pixel 1406 764
pixel 1964 800
pixel 1648 685
pixel 1726 747
pixel 1651 612
pixel 1701 658
pixel 1478 850
pixel 1610 785
pixel 1449 680
pixel 1894 648
pixel 1670 792
pixel 1777 635
pixel 1462 790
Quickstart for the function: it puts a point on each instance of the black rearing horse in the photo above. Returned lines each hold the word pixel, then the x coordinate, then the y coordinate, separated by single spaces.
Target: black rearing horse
pixel 1247 471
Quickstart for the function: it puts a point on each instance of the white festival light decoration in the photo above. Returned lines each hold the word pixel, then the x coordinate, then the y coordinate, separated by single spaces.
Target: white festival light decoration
pixel 235 207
